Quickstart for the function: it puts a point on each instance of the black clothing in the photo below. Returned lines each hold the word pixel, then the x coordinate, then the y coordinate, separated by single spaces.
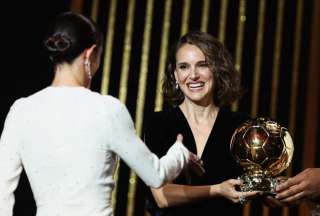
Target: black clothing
pixel 161 133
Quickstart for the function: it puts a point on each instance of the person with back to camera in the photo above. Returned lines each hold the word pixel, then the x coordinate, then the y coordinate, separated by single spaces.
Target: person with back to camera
pixel 67 137
pixel 200 80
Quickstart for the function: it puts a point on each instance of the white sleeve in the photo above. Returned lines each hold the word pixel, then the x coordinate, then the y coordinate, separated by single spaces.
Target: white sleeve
pixel 153 171
pixel 10 163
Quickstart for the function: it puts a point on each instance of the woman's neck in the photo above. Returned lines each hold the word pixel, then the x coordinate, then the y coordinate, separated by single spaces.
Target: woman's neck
pixel 69 75
pixel 199 113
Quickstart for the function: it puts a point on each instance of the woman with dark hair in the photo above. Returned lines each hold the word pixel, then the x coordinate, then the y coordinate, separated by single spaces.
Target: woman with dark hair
pixel 200 82
pixel 67 137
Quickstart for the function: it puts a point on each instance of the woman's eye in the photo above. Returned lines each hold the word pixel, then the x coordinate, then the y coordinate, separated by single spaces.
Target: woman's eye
pixel 183 67
pixel 203 64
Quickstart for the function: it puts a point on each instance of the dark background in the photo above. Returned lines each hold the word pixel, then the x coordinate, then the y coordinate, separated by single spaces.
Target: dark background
pixel 25 68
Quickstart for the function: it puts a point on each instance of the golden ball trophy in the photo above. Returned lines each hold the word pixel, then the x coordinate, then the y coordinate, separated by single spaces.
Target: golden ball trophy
pixel 264 149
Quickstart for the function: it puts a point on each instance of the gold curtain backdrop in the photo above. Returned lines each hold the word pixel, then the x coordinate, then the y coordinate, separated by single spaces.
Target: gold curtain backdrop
pixel 275 49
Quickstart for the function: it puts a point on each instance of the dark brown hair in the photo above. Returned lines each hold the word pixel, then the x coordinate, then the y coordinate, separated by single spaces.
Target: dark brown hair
pixel 69 35
pixel 227 81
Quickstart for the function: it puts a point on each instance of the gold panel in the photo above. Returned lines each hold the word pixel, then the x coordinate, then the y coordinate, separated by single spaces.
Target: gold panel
pixel 108 48
pixel 163 54
pixel 185 17
pixel 239 42
pixel 141 96
pixel 258 59
pixel 205 15
pixel 127 52
pixel 144 67
pixel 94 10
pixel 223 20
pixel 276 60
pixel 124 87
pixel 295 67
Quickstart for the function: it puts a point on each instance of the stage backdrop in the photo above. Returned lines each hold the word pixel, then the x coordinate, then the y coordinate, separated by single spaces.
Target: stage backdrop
pixel 275 46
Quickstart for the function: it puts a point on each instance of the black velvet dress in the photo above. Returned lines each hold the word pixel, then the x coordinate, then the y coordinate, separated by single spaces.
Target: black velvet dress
pixel 161 132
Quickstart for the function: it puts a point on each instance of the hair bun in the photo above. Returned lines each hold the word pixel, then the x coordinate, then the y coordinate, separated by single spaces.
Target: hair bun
pixel 58 43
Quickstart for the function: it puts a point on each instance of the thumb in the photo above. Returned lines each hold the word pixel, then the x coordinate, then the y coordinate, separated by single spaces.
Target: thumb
pixel 179 138
pixel 235 182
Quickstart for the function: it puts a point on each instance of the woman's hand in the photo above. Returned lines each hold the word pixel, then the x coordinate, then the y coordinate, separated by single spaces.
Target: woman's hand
pixel 228 190
pixel 195 163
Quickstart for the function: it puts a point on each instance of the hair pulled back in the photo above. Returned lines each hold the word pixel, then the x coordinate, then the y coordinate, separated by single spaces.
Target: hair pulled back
pixel 69 35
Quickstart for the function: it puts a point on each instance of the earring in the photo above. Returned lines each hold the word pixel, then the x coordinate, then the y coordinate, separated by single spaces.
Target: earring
pixel 177 85
pixel 87 68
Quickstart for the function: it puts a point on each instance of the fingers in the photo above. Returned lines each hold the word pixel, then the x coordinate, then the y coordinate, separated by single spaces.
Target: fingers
pixel 290 182
pixel 194 158
pixel 285 185
pixel 228 189
pixel 179 138
pixel 235 182
pixel 196 165
pixel 282 178
pixel 291 192
pixel 296 198
pixel 252 193
pixel 249 194
pixel 243 197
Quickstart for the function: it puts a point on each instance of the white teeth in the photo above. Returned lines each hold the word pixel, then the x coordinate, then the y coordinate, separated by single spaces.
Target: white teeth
pixel 196 85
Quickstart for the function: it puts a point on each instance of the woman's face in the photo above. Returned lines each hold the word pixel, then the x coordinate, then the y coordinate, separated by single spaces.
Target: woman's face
pixel 194 75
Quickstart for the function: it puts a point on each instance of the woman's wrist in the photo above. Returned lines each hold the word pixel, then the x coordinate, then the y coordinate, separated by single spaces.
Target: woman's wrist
pixel 215 190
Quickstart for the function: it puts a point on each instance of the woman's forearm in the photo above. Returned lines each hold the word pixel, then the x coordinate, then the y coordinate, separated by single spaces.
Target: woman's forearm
pixel 174 194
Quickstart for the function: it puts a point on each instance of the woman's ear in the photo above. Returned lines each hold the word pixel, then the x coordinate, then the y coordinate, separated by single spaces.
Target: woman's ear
pixel 175 75
pixel 89 52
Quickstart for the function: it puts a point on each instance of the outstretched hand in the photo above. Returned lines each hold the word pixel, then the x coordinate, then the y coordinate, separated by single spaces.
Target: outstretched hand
pixel 195 163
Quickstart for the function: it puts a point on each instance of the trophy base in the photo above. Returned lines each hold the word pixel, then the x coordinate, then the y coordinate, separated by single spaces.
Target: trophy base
pixel 265 184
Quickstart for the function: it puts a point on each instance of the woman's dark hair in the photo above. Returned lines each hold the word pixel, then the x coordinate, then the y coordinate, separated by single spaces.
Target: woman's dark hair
pixel 227 81
pixel 68 35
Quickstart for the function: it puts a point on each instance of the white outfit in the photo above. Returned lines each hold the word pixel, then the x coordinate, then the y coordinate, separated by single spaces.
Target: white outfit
pixel 67 139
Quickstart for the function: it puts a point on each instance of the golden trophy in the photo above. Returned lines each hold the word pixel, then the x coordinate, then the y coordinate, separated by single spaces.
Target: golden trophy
pixel 264 149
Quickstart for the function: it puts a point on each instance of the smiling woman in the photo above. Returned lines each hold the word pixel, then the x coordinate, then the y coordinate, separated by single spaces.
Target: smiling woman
pixel 203 52
pixel 200 81
pixel 193 75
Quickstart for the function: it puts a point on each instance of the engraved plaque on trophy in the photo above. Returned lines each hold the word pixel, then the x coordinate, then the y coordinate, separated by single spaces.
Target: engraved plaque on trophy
pixel 264 149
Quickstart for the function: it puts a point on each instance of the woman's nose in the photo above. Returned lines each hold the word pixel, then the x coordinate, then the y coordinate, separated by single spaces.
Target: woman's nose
pixel 194 73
